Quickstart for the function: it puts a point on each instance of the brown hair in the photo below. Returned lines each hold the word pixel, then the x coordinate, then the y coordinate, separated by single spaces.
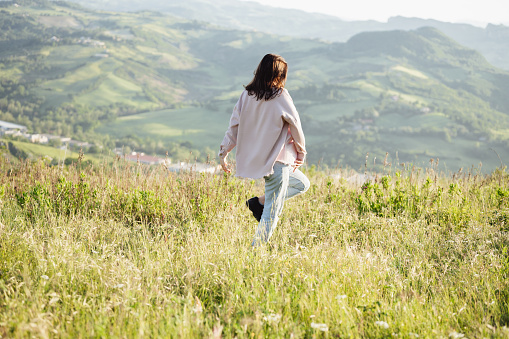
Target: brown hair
pixel 269 78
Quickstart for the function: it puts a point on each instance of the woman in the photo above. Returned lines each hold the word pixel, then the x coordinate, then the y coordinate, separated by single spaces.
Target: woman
pixel 265 126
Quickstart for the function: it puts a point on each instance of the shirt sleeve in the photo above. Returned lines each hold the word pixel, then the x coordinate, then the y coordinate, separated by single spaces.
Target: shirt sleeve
pixel 230 137
pixel 291 116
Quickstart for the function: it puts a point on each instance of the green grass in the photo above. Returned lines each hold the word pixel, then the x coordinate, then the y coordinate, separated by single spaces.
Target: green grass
pixel 61 21
pixel 207 125
pixel 414 121
pixel 72 54
pixel 332 111
pixel 413 72
pixel 464 154
pixel 37 151
pixel 129 251
pixel 114 89
pixel 124 34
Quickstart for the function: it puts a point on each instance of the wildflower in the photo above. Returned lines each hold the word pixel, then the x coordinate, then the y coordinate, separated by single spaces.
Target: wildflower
pixel 456 335
pixel 382 324
pixel 272 318
pixel 320 327
pixel 53 300
pixel 45 277
pixel 95 252
pixel 217 330
pixel 415 335
pixel 341 297
pixel 118 286
pixel 197 306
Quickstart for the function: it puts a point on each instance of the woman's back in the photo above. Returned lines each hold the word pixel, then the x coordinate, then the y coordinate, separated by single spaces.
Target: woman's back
pixel 263 132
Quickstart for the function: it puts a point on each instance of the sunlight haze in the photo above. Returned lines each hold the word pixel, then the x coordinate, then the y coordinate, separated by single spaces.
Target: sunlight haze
pixel 478 13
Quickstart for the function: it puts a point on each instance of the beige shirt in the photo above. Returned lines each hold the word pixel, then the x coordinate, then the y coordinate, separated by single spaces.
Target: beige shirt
pixel 264 132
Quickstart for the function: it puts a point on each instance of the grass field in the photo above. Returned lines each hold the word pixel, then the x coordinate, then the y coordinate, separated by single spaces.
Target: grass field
pixel 38 151
pixel 415 121
pixel 208 126
pixel 466 152
pixel 114 89
pixel 131 251
pixel 412 72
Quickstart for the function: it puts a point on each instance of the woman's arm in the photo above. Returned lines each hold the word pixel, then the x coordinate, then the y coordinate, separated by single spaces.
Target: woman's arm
pixel 230 138
pixel 291 116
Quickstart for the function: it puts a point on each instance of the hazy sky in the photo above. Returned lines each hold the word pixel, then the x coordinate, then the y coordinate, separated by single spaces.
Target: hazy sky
pixel 478 12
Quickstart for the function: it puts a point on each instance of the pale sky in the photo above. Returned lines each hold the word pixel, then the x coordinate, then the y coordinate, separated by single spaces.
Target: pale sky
pixel 477 12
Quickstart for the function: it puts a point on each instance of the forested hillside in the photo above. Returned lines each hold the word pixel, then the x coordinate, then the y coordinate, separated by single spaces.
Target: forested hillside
pixel 157 83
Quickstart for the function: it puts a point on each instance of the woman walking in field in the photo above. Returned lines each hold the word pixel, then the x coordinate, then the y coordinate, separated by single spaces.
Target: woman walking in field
pixel 265 126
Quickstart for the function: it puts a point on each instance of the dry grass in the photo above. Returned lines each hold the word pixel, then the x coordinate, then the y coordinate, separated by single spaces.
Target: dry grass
pixel 127 251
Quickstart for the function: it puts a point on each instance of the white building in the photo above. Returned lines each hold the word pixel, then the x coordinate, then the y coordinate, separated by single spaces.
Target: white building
pixel 38 138
pixel 193 167
pixel 10 128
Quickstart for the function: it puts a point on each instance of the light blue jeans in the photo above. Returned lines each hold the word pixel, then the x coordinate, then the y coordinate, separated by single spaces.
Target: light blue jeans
pixel 281 185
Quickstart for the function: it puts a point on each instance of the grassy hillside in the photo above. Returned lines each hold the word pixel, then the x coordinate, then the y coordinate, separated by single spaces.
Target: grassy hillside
pixel 157 83
pixel 51 155
pixel 123 251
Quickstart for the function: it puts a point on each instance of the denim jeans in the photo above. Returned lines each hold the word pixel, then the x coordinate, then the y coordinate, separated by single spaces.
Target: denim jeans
pixel 281 185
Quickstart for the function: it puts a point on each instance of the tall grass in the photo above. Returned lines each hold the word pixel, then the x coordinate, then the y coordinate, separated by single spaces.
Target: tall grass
pixel 128 251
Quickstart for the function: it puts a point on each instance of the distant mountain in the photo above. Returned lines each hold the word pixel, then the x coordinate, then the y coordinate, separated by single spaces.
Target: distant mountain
pixel 492 41
pixel 154 82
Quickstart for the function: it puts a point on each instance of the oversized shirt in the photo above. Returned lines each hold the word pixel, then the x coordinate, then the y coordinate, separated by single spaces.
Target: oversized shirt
pixel 264 131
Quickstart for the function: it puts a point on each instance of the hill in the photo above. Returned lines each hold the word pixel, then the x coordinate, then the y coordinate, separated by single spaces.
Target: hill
pixel 158 83
pixel 492 41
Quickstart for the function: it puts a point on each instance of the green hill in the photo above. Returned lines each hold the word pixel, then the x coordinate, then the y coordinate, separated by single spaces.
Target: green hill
pixel 491 41
pixel 158 83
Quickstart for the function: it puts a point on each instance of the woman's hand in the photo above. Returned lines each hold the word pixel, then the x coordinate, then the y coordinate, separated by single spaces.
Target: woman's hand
pixel 298 162
pixel 224 164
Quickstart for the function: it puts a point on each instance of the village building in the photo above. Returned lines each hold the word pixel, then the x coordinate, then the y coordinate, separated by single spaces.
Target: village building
pixel 38 138
pixel 8 128
pixel 193 167
pixel 76 143
pixel 144 159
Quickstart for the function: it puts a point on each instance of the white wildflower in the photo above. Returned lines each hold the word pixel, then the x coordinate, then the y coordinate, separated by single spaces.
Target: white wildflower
pixel 382 324
pixel 118 286
pixel 217 331
pixel 415 335
pixel 95 252
pixel 320 327
pixel 53 300
pixel 272 318
pixel 197 306
pixel 45 277
pixel 341 297
pixel 456 335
